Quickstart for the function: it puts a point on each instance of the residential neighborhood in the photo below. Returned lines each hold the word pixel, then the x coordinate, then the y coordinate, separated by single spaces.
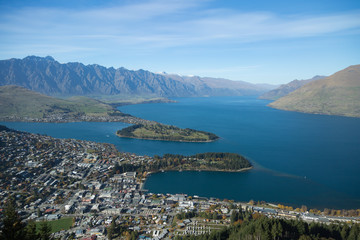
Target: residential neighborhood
pixel 76 181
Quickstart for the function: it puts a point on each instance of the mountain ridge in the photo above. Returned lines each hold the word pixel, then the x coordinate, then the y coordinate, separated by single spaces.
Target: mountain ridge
pixel 287 88
pixel 338 94
pixel 47 76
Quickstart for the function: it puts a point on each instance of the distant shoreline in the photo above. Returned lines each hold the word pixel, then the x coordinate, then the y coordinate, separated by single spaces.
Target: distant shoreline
pixel 130 102
pixel 202 170
pixel 153 139
pixel 126 119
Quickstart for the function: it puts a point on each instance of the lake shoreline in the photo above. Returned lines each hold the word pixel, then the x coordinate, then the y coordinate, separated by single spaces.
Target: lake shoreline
pixel 123 119
pixel 287 142
pixel 193 170
pixel 151 139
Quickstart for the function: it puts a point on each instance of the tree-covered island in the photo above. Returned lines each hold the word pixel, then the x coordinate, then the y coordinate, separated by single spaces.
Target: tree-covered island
pixel 158 131
pixel 210 161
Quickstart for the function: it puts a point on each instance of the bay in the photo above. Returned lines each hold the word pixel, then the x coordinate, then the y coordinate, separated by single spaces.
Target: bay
pixel 299 159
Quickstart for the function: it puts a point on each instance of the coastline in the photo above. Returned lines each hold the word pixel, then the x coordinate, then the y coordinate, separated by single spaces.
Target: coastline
pixel 66 119
pixel 150 101
pixel 152 139
pixel 201 170
pixel 313 112
pixel 142 184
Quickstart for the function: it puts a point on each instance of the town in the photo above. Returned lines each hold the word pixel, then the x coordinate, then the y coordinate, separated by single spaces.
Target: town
pixel 78 182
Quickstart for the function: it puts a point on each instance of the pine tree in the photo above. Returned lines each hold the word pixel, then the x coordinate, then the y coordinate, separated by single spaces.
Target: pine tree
pixel 13 228
pixel 30 231
pixel 234 216
pixel 345 231
pixel 38 212
pixel 45 231
pixel 111 229
pixel 354 232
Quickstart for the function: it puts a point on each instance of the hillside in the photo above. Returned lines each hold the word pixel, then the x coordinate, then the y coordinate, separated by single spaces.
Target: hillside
pixel 47 76
pixel 210 161
pixel 285 89
pixel 338 94
pixel 20 104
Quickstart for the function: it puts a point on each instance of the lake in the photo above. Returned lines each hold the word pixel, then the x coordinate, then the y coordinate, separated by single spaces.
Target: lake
pixel 299 159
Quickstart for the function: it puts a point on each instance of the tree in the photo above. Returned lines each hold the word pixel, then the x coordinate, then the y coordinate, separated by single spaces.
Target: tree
pixel 354 232
pixel 234 216
pixel 30 231
pixel 13 228
pixel 305 237
pixel 111 230
pixel 276 230
pixel 134 235
pixel 45 231
pixel 38 212
pixel 303 208
pixel 345 231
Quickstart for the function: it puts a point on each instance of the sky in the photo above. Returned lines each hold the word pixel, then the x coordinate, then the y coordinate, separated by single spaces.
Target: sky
pixel 257 41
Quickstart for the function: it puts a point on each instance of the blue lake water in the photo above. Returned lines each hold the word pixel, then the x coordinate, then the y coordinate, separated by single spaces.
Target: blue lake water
pixel 299 158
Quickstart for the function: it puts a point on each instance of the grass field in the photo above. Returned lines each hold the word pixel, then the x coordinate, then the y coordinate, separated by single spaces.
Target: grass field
pixel 58 225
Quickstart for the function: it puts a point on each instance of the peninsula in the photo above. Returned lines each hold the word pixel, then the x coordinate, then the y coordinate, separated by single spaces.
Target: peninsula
pixel 210 161
pixel 21 104
pixel 158 131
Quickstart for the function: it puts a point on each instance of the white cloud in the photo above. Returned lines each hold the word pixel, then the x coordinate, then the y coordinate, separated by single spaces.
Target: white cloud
pixel 139 11
pixel 163 24
pixel 249 27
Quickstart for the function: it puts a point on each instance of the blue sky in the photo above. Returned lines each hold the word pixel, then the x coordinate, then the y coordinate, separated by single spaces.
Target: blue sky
pixel 258 41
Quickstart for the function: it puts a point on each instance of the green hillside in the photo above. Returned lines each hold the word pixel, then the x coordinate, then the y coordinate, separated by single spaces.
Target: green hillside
pixel 20 103
pixel 338 94
pixel 285 89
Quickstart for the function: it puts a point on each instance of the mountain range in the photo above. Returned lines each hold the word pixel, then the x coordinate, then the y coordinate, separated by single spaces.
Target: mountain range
pixel 285 89
pixel 47 76
pixel 338 94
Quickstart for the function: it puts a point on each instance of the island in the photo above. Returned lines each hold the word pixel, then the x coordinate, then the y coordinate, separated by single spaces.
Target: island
pixel 158 131
pixel 210 161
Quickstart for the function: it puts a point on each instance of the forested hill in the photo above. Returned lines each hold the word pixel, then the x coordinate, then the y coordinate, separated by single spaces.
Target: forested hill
pixel 47 76
pixel 211 161
pixel 158 131
pixel 220 161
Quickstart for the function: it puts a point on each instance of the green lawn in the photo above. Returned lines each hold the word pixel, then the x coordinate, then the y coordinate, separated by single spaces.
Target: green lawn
pixel 58 225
